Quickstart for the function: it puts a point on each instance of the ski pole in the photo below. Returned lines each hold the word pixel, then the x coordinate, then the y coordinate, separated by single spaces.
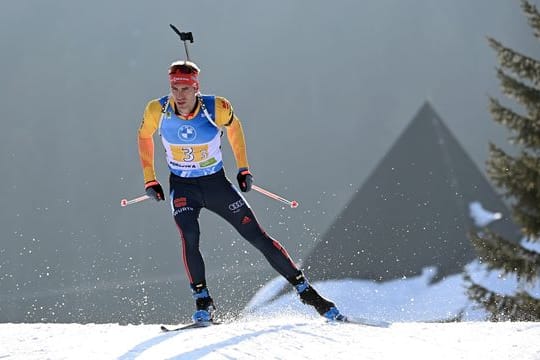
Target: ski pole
pixel 293 204
pixel 126 202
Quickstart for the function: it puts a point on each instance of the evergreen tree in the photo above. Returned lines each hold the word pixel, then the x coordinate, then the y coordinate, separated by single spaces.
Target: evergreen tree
pixel 518 177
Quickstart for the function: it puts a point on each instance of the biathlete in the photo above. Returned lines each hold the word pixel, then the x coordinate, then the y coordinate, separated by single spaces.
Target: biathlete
pixel 190 125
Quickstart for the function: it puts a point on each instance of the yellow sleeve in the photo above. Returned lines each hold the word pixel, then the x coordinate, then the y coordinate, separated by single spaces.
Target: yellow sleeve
pixel 225 117
pixel 149 125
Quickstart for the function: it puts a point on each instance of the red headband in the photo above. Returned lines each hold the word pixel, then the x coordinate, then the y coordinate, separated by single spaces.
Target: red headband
pixel 178 78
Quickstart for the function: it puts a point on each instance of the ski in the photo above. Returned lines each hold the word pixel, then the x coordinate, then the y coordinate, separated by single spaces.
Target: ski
pixel 365 322
pixel 345 320
pixel 194 325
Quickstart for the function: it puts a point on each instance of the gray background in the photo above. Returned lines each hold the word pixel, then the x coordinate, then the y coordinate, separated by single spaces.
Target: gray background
pixel 323 89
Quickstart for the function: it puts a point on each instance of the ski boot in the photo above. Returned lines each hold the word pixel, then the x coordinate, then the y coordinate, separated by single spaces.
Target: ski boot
pixel 324 307
pixel 204 306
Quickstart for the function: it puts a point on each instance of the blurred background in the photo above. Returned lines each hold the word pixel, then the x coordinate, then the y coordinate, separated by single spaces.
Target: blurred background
pixel 323 90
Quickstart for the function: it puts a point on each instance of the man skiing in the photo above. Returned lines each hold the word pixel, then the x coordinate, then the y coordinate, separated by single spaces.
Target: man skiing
pixel 190 125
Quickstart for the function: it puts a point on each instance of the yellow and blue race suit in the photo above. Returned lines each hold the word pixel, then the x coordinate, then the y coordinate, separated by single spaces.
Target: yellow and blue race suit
pixel 197 179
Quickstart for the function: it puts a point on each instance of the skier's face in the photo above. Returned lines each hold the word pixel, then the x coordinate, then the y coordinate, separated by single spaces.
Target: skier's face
pixel 185 97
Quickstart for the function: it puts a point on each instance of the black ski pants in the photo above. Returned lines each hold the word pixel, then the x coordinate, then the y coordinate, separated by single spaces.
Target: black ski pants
pixel 216 193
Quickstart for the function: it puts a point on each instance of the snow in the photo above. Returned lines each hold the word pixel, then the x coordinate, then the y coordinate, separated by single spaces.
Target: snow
pixel 285 337
pixel 413 299
pixel 418 298
pixel 276 325
pixel 280 327
pixel 481 216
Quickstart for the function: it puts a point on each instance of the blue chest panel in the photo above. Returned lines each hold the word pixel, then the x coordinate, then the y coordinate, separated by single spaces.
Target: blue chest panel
pixel 198 130
pixel 193 147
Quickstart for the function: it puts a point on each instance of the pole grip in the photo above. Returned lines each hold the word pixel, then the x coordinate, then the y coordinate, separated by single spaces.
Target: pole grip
pixel 126 202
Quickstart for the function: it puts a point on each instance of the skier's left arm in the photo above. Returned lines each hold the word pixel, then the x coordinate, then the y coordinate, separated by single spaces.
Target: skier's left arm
pixel 225 117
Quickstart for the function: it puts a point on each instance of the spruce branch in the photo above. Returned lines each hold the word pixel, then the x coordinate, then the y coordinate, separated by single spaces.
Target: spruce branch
pixel 526 130
pixel 520 65
pixel 497 253
pixel 533 16
pixel 527 96
pixel 519 307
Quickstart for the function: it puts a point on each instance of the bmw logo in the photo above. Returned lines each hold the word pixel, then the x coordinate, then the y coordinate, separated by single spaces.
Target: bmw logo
pixel 187 133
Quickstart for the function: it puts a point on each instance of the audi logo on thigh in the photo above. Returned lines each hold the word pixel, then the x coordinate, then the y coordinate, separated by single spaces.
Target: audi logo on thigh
pixel 236 205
